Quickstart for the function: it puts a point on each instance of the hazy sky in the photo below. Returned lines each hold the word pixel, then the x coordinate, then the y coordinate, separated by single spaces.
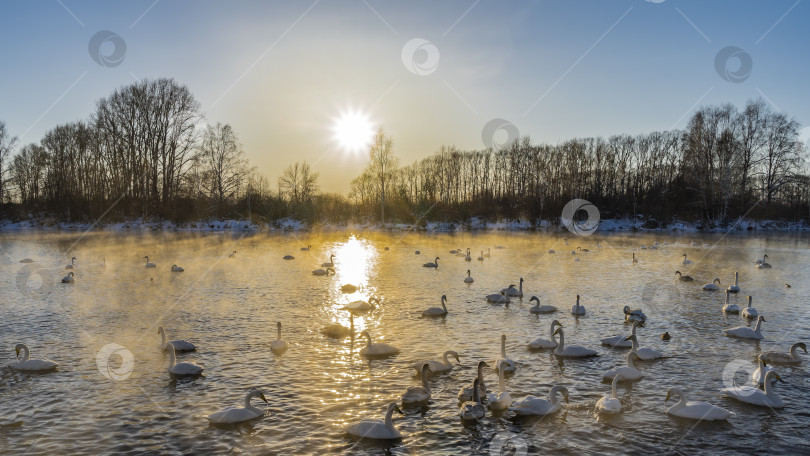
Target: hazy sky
pixel 282 72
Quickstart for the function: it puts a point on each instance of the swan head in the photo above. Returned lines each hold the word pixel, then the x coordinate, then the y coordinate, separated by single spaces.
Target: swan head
pixel 482 365
pixel 556 323
pixel 521 280
pixel 672 392
pixel 558 331
pixel 425 368
pixel 770 374
pixel 366 334
pixel 716 279
pixel 20 347
pixel 444 297
pixel 802 346
pixel 766 256
pixel 453 354
pixel 760 318
pixel 678 272
pixel 503 338
pixel 560 389
pixel 393 407
pixel 535 298
pixel 278 324
pixel 71 274
pixel 626 309
pixel 631 337
pixel 73 259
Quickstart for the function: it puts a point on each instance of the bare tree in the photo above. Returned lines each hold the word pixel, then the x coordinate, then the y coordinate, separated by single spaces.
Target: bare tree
pixel 225 167
pixel 7 144
pixel 382 165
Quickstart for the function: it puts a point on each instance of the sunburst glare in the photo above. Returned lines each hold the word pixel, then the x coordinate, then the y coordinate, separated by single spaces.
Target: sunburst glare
pixel 353 131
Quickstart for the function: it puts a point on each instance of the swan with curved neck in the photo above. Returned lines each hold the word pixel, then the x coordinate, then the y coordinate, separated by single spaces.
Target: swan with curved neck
pixel 361 306
pixel 26 364
pixel 541 343
pixel 468 279
pixel 377 429
pixel 512 292
pixel 182 369
pixel 438 367
pixel 330 263
pixel 72 263
pixel 761 371
pixel 712 286
pixel 572 351
pixel 792 357
pixel 176 268
pixel 418 394
pixel 532 405
pixel 645 354
pixel 628 372
pixel 685 261
pixel 232 415
pixel 377 350
pixel 338 331
pixel 148 264
pixel 755 396
pixel 70 278
pixel 537 308
pixel 323 272
pixel 435 264
pixel 622 341
pixel 232 254
pixel 436 311
pixel 695 410
pixel 279 346
pixel 684 278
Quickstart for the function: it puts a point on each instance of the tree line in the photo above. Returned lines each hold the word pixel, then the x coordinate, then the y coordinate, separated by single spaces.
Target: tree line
pixel 147 152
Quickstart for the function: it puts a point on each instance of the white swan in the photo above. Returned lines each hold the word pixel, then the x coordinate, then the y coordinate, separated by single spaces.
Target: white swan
pixel 634 258
pixel 72 263
pixel 489 252
pixel 330 263
pixel 179 345
pixel 361 306
pixel 181 369
pixel 306 249
pixel 693 409
pixel 472 409
pixel 621 341
pixel 377 350
pixel 70 278
pixel 288 257
pixel 481 257
pixel 26 260
pixel 764 259
pixel 532 405
pixel 377 429
pixel 148 264
pixel 466 392
pixel 232 254
pixel 572 351
pixel 418 394
pixel 541 343
pixel 501 400
pixel 31 365
pixel 577 309
pixel 176 268
pixel 685 261
pixel 761 371
pixel 755 396
pixel 434 264
pixel 684 278
pixel 551 251
pixel 232 415
pixel 323 272
pixel 438 367
pixel 734 288
pixel 279 346
pixel 338 331
pixel 633 315
pixel 712 286
pixel 468 257
pixel 763 264
pixel 504 363
pixel 498 298
pixel 436 311
pixel 628 372
pixel 644 354
pixel 750 312
pixel 350 288
pixel 744 332
pixel 730 308
pixel 468 279
pixel 775 357
pixel 610 404
pixel 512 292
pixel 537 308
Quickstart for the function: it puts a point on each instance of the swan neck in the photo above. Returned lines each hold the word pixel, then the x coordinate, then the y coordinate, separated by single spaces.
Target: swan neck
pixel 634 341
pixel 613 386
pixel 630 362
pixel 503 348
pixel 501 381
pixel 389 423
pixel 162 337
pixel 278 334
pixel 736 278
pixel 253 409
pixel 26 353
pixel 794 351
pixel 561 343
pixel 759 323
pixel 425 380
pixel 172 358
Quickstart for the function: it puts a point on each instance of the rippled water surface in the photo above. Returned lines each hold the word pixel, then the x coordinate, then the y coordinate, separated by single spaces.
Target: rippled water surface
pixel 229 308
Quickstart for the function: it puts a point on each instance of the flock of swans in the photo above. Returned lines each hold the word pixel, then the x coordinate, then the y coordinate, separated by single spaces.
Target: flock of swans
pixel 474 399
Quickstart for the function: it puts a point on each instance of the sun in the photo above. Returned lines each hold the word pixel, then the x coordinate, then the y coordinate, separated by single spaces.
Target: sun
pixel 353 131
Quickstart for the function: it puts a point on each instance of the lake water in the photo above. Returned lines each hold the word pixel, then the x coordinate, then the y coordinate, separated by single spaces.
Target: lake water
pixel 229 308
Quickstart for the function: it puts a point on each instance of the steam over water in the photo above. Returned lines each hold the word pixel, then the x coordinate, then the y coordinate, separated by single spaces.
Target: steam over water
pixel 229 307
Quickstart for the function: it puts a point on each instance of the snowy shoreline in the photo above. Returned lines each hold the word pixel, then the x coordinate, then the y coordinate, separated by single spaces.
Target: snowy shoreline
pixel 472 225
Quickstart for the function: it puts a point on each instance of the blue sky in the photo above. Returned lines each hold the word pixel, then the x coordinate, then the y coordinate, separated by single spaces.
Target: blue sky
pixel 282 72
